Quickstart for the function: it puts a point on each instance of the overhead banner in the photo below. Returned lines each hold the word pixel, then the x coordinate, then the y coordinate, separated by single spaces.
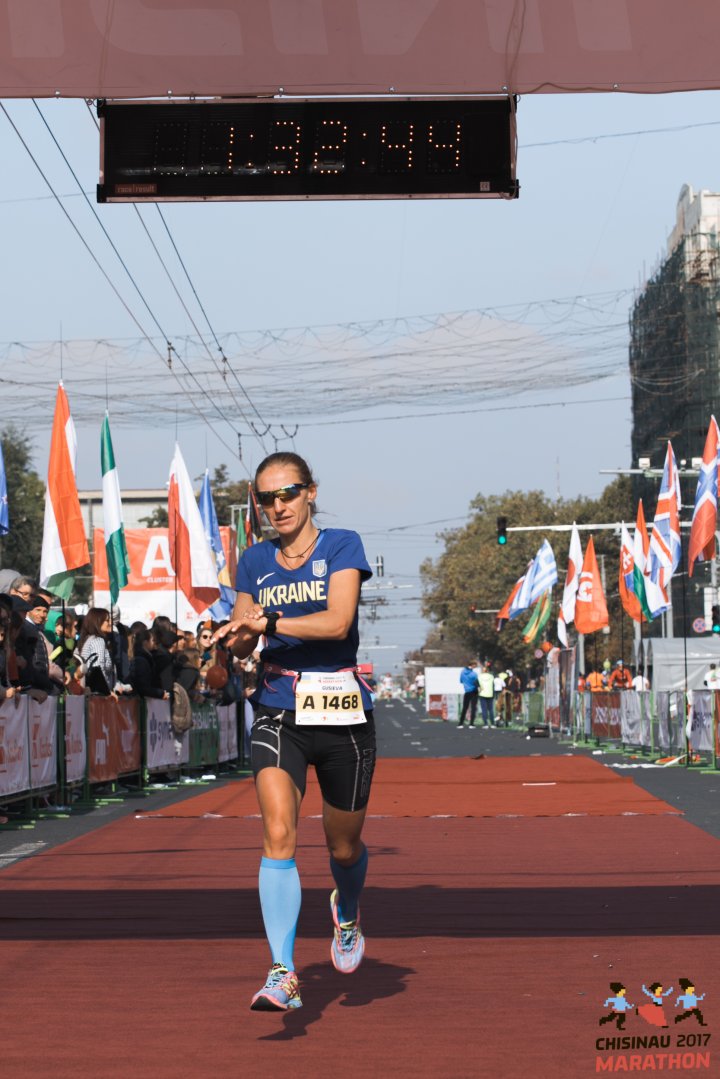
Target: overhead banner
pixel 179 48
pixel 151 588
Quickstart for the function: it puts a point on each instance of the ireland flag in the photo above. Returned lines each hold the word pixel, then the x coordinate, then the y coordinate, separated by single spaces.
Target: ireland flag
pixel 115 548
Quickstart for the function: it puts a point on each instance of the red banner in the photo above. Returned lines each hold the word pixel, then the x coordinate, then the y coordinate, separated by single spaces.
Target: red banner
pixel 113 738
pixel 146 48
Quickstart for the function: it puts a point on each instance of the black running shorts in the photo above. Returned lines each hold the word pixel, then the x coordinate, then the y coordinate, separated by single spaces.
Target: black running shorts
pixel 344 757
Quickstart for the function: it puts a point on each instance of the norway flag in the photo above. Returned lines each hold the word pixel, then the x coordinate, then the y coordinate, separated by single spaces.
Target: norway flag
pixel 702 531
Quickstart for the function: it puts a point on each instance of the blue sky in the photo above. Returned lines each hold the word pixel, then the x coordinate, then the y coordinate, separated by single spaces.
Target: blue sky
pixel 591 223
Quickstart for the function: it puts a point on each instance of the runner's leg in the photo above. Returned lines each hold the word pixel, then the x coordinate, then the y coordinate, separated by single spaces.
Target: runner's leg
pixel 279 882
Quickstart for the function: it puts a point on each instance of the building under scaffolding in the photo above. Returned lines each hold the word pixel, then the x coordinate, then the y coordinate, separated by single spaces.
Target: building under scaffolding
pixel 675 362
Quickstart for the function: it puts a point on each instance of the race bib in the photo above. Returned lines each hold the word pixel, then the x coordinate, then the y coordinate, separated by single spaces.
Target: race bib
pixel 328 700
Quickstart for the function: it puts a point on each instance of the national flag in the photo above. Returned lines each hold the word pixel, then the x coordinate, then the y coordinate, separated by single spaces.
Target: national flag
pixel 566 614
pixel 64 545
pixel 651 597
pixel 626 580
pixel 701 546
pixel 116 553
pixel 541 575
pixel 539 619
pixel 590 607
pixel 190 554
pixel 224 606
pixel 253 524
pixel 504 614
pixel 665 538
pixel 4 509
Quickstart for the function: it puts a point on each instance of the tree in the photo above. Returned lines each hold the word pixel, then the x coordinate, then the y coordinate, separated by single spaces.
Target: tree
pixel 21 548
pixel 473 577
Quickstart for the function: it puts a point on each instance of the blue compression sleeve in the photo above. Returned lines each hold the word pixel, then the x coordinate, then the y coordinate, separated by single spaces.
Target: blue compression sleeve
pixel 350 880
pixel 280 897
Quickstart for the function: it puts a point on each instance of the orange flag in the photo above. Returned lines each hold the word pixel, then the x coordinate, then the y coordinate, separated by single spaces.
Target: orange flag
pixel 590 607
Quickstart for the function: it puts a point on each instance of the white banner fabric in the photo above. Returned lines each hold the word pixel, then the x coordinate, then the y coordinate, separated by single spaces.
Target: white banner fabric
pixel 14 764
pixel 75 740
pixel 227 718
pixel 42 724
pixel 159 736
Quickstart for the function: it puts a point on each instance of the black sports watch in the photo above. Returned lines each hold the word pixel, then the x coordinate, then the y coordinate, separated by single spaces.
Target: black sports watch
pixel 271 622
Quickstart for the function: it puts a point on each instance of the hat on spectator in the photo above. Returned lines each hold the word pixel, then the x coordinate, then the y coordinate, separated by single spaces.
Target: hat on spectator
pixel 37 601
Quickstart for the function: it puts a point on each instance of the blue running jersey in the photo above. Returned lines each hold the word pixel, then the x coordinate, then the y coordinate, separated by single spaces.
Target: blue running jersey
pixel 298 592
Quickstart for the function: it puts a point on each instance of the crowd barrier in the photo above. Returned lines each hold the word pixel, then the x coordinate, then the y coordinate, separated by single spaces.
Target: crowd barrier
pixel 105 740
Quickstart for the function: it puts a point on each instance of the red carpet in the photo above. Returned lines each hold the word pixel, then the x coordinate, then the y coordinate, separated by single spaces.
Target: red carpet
pixel 491 946
pixel 489 787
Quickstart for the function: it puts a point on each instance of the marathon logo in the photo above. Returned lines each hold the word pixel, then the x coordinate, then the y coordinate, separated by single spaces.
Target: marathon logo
pixel 280 595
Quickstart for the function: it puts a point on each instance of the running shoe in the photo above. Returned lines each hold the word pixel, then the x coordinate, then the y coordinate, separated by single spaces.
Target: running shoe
pixel 280 992
pixel 348 946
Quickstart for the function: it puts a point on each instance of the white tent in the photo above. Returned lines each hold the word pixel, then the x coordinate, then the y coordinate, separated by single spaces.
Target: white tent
pixel 667 657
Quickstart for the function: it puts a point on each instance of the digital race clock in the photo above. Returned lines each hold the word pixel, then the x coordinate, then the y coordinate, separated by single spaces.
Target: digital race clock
pixel 308 149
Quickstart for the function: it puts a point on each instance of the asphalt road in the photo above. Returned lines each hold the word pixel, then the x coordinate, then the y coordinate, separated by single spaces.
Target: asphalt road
pixel 403 731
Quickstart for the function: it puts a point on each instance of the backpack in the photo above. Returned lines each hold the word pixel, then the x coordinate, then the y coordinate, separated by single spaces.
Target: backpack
pixel 181 710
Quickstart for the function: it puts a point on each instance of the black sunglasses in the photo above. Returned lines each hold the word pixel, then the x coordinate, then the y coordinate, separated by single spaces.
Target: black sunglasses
pixel 285 494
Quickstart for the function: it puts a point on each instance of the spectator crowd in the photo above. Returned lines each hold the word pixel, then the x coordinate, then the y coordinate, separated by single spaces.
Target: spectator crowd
pixel 46 649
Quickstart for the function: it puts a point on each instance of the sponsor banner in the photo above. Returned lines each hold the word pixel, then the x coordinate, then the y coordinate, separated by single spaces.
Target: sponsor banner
pixel 75 747
pixel 14 764
pixel 605 715
pixel 670 711
pixel 113 738
pixel 159 737
pixel 441 705
pixel 700 721
pixel 228 741
pixel 151 588
pixel 42 725
pixel 204 736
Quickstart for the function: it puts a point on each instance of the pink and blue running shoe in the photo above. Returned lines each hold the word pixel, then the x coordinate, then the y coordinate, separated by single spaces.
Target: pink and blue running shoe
pixel 280 992
pixel 348 946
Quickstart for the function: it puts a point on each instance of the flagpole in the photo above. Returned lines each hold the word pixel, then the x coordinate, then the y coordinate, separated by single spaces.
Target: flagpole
pixel 684 611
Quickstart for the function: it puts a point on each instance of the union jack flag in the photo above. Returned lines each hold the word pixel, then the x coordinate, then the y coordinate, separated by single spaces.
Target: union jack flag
pixel 665 538
pixel 702 530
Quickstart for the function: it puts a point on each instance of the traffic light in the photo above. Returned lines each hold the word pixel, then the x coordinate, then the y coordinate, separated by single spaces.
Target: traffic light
pixel 716 618
pixel 502 531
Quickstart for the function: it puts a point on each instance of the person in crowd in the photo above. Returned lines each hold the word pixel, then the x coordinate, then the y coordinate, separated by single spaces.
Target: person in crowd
pixel 250 682
pixel 169 659
pixel 32 646
pixel 620 677
pixel 640 682
pixel 95 654
pixel 119 644
pixel 582 682
pixel 7 689
pixel 487 694
pixel 63 654
pixel 470 683
pixel 22 588
pixel 301 592
pixel 594 680
pixel 143 673
pixel 204 639
pixel 712 678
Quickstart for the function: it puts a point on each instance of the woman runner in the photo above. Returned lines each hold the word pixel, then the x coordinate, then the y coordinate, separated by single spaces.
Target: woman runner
pixel 301 592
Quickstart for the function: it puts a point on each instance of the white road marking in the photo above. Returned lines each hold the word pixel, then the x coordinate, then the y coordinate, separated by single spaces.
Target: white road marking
pixel 416 743
pixel 396 723
pixel 411 707
pixel 23 851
